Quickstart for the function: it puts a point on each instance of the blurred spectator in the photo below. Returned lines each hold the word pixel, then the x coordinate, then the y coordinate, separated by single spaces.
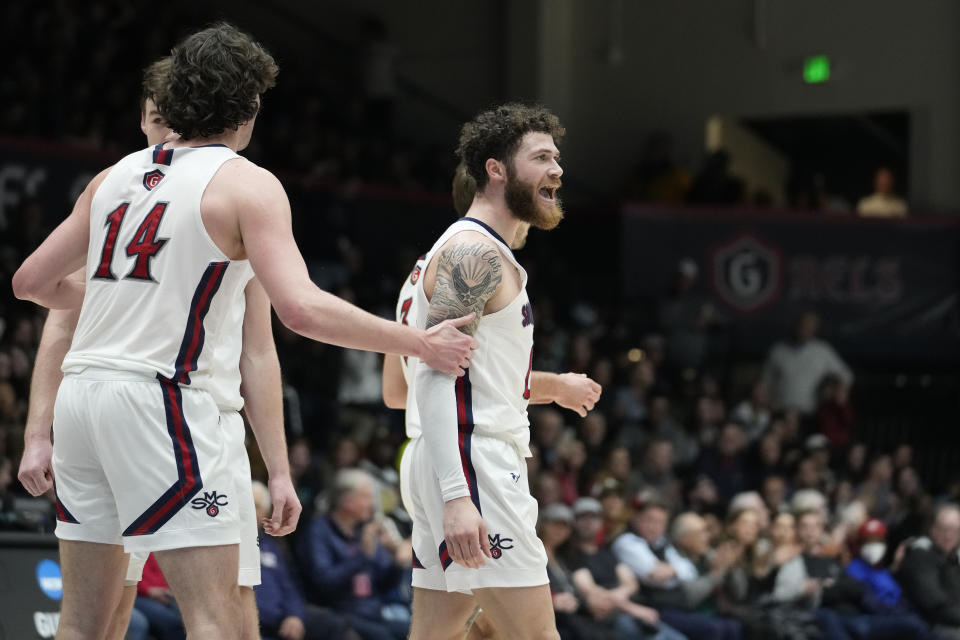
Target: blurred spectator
pixel 892 616
pixel 619 468
pixel 685 316
pixel 572 455
pixel 930 573
pixel 546 429
pixel 876 492
pixel 783 544
pixel 663 424
pixel 724 463
pixel 658 178
pixel 912 508
pixel 657 469
pixel 606 584
pixel 282 611
pixel 714 184
pixel 774 493
pixel 753 502
pixel 155 602
pixel 351 563
pixel 764 459
pixel 702 496
pixel 754 412
pixel 662 570
pixel 835 418
pixel 883 202
pixel 631 401
pixel 8 515
pixel 554 528
pixel 692 539
pixel 795 368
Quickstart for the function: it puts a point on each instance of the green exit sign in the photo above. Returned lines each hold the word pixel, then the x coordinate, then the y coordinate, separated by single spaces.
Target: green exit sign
pixel 816 69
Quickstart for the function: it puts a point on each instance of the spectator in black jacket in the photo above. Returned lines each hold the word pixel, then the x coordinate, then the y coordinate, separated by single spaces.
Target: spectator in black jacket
pixel 930 573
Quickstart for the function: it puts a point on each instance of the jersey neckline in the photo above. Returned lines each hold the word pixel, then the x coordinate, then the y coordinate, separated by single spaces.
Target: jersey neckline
pixel 490 229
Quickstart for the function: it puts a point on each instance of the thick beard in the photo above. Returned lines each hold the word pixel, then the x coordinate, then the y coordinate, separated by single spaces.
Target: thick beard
pixel 523 202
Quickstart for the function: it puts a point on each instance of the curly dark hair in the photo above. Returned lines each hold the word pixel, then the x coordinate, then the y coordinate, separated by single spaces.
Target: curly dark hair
pixel 153 78
pixel 496 133
pixel 214 80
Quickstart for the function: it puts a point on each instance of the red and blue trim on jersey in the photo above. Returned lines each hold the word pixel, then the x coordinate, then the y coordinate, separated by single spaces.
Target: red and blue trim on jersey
pixel 161 155
pixel 465 426
pixel 416 562
pixel 188 482
pixel 62 514
pixel 195 333
pixel 445 559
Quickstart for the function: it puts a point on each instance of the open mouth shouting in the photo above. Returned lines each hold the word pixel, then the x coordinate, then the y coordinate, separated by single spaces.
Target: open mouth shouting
pixel 548 194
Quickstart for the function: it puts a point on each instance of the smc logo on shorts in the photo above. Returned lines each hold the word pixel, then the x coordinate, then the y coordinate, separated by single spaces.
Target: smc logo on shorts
pixel 498 545
pixel 211 501
pixel 48 577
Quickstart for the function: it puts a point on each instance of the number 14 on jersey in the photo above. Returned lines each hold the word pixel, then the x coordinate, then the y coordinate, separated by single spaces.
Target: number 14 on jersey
pixel 144 245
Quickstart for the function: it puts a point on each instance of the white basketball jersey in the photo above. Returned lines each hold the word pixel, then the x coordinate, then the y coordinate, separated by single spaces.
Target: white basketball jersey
pixel 161 297
pixel 492 396
pixel 406 314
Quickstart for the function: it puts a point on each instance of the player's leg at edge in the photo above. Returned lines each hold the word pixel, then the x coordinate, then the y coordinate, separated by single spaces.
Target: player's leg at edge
pixel 120 620
pixel 251 617
pixel 92 582
pixel 426 621
pixel 121 616
pixel 525 613
pixel 205 589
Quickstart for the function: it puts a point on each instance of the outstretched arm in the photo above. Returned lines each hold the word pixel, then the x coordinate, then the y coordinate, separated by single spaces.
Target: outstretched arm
pixel 574 391
pixel 35 473
pixel 266 231
pixel 263 400
pixel 467 276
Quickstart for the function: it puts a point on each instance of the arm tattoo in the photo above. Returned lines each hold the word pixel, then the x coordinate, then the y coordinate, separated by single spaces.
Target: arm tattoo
pixel 468 275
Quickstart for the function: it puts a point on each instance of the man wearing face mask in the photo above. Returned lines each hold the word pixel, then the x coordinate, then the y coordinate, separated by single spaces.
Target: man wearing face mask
pixel 889 613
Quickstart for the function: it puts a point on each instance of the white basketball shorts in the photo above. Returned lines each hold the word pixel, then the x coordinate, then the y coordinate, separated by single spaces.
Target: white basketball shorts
pixel 249 556
pixel 497 476
pixel 145 463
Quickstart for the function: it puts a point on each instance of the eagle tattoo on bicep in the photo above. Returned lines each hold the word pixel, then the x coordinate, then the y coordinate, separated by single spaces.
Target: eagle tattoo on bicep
pixel 470 294
pixel 467 276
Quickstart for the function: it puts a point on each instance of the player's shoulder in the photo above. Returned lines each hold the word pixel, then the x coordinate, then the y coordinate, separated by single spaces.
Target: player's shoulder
pixel 458 243
pixel 246 180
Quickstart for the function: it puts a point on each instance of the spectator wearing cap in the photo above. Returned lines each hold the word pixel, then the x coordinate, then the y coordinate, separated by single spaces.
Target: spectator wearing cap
pixel 555 526
pixel 930 573
pixel 891 615
pixel 662 570
pixel 608 585
pixel 795 367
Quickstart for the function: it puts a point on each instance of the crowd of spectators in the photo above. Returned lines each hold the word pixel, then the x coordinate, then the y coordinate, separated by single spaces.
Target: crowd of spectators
pixel 670 511
pixel 685 505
